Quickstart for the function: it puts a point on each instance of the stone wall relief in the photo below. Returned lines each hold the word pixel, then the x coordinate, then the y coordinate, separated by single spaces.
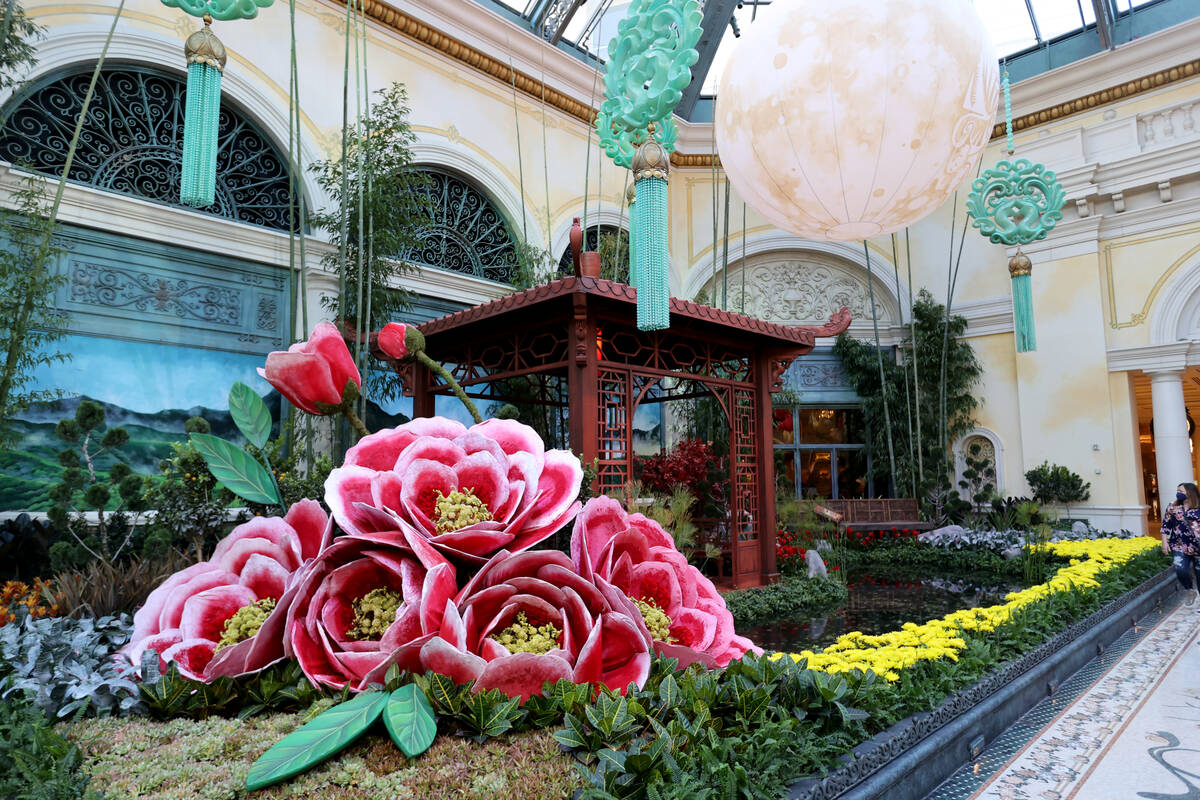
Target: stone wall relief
pixel 798 291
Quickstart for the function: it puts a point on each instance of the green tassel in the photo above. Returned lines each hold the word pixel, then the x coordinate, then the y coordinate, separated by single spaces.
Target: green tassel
pixel 653 259
pixel 1022 289
pixel 633 281
pixel 200 121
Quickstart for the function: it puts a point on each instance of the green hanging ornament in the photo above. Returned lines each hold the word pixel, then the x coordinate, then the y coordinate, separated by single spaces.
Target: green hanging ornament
pixel 206 61
pixel 1017 202
pixel 649 65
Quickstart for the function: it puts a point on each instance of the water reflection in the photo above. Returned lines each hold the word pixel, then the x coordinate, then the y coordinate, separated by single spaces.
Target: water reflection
pixel 877 606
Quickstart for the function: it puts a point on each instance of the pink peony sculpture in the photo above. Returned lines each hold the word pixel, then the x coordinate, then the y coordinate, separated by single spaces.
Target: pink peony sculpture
pixel 470 491
pixel 225 616
pixel 313 374
pixel 369 600
pixel 680 606
pixel 529 618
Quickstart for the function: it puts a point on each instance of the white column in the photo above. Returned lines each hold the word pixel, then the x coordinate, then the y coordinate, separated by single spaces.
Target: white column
pixel 1172 455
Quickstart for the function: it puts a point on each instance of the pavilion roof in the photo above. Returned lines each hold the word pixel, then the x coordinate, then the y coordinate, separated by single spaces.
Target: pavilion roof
pixel 556 298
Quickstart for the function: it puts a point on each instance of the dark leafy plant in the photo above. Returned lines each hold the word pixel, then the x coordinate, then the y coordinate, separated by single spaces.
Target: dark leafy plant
pixel 83 487
pixel 922 464
pixel 64 666
pixel 279 688
pixel 24 548
pixel 38 763
pixel 100 589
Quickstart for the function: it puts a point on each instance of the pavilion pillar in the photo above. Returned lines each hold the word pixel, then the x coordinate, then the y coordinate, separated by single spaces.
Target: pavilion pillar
pixel 583 386
pixel 423 399
pixel 767 527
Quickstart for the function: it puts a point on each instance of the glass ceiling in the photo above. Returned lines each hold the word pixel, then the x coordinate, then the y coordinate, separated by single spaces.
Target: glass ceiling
pixel 1023 30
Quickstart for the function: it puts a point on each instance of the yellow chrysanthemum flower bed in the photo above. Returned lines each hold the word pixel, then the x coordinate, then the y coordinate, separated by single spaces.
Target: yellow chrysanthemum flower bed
pixel 889 654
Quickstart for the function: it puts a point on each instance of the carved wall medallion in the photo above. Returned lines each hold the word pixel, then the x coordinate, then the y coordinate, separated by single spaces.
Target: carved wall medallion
pixel 802 291
pixel 104 285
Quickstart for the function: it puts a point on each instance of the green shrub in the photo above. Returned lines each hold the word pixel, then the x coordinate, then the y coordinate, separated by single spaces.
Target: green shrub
pixel 793 596
pixel 1054 483
pixel 38 763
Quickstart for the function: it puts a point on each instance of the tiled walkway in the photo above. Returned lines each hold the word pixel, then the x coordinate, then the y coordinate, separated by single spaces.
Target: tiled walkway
pixel 1125 727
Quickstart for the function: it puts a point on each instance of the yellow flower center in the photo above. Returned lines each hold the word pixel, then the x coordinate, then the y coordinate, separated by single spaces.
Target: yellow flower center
pixel 458 510
pixel 524 637
pixel 656 620
pixel 374 612
pixel 245 622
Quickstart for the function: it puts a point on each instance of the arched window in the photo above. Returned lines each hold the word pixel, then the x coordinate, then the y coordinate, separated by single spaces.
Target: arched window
pixel 983 448
pixel 132 141
pixel 468 233
pixel 592 242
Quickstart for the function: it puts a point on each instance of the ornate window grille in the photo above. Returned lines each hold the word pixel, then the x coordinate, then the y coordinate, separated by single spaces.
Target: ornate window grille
pixel 467 234
pixel 132 142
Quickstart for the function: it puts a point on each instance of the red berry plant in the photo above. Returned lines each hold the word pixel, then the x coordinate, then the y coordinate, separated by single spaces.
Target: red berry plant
pixel 693 464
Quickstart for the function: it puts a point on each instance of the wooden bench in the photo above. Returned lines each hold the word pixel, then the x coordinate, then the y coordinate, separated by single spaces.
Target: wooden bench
pixel 878 514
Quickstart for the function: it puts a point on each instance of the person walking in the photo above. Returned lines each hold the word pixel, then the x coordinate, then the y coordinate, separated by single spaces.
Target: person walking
pixel 1181 538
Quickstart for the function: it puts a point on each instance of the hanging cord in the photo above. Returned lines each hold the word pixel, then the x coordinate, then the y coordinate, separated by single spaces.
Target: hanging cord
pixel 512 73
pixel 713 298
pixel 883 387
pixel 1008 123
pixel 912 320
pixel 904 364
pixel 366 141
pixel 344 232
pixel 725 254
pixel 946 329
pixel 587 161
pixel 546 165
pixel 360 331
pixel 742 305
pixel 296 167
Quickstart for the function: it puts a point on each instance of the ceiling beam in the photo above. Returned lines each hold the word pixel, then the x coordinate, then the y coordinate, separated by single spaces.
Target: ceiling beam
pixel 717 14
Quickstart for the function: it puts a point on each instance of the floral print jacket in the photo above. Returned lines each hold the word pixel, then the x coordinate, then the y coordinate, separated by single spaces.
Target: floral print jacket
pixel 1181 529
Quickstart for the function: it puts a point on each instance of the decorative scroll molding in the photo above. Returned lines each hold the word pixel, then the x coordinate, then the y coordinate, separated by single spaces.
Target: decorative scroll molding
pixel 106 285
pixel 797 291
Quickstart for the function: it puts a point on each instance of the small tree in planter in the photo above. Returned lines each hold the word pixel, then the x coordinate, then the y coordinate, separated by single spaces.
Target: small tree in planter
pixel 1054 483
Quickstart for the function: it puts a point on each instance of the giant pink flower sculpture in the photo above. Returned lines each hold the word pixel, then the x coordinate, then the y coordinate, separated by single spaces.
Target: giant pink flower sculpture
pixel 314 373
pixel 680 605
pixel 225 616
pixel 470 491
pixel 369 600
pixel 529 618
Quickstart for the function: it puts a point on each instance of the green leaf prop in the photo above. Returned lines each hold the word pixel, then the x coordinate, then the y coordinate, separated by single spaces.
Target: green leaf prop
pixel 410 720
pixel 234 467
pixel 316 741
pixel 250 414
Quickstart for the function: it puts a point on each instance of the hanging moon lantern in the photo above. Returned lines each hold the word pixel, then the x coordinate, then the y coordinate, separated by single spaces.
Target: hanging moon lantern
pixel 850 119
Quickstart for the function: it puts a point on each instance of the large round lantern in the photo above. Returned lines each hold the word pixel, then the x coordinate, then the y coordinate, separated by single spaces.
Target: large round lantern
pixel 850 119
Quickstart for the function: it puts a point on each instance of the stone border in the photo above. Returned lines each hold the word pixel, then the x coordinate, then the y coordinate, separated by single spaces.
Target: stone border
pixel 914 756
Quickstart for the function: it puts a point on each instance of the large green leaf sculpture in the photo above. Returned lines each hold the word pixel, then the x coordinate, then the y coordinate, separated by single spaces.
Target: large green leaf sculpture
pixel 235 468
pixel 316 741
pixel 410 720
pixel 250 414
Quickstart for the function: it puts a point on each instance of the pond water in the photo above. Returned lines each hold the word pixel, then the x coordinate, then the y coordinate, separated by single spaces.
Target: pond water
pixel 876 606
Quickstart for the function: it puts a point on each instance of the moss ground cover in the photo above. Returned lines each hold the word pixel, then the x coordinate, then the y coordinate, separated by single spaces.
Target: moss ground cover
pixel 208 760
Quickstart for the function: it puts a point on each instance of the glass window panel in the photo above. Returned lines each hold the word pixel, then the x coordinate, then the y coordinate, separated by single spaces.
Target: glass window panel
pixel 783 430
pixel 785 474
pixel 1056 17
pixel 1008 21
pixel 816 474
pixel 852 473
pixel 831 426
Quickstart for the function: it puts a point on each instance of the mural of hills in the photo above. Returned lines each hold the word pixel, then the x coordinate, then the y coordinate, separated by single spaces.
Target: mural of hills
pixel 28 472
